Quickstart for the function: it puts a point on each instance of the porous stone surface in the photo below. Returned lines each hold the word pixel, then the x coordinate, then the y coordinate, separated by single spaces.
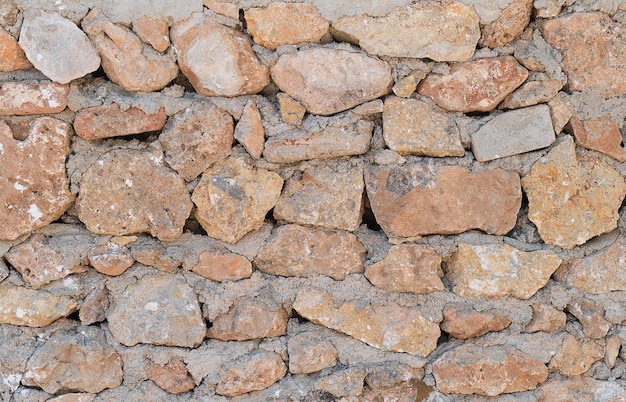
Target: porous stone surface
pixel 32 308
pixel 111 121
pixel 462 321
pixel 220 265
pixel 601 134
pixel 24 98
pixel 256 371
pixel 12 56
pixel 291 111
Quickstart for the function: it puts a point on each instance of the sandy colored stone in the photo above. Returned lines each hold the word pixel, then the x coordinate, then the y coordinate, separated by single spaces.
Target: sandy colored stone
pixel 411 126
pixel 601 134
pixel 172 377
pixel 252 372
pixel 405 87
pixel 408 268
pixel 310 352
pixel 149 251
pixel 291 111
pixel 508 26
pixel 611 350
pixel 532 93
pixel 220 265
pixel 94 306
pixel 391 327
pixel 126 60
pixel 560 112
pixel 196 138
pixel 21 98
pixel 475 86
pixel 369 108
pixel 323 196
pixel 441 32
pixel 575 357
pixel 32 308
pixel 294 250
pixel 285 23
pixel 233 198
pixel 52 44
pixel 572 199
pixel 33 182
pixel 491 371
pixel 499 270
pixel 111 121
pixel 328 81
pixel 12 56
pixel 74 397
pixel 463 322
pixel 153 32
pixel 418 199
pixel 546 318
pixel 250 318
pixel 229 10
pixel 110 259
pixel 249 130
pixel 230 69
pixel 548 8
pixel 157 309
pixel 591 316
pixel 343 383
pixel 131 191
pixel 582 389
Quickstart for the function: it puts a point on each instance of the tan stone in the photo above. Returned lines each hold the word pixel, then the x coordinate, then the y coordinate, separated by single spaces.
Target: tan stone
pixel 32 308
pixel 532 93
pixel 491 371
pixel 581 389
pixel 347 382
pixel 611 350
pixel 110 259
pixel 391 327
pixel 94 306
pixel 233 198
pixel 475 86
pixel 229 10
pixel 230 69
pixel 441 32
pixel 196 138
pixel 560 112
pixel 498 270
pixel 221 265
pixel 110 121
pixel 388 375
pixel 153 32
pixel 291 110
pixel 323 196
pixel 463 322
pixel 545 318
pixel 408 268
pixel 12 57
pixel 508 26
pixel 411 126
pixel 149 251
pixel 20 98
pixel 418 199
pixel 285 23
pixel 548 8
pixel 252 372
pixel 294 250
pixel 572 199
pixel 318 78
pixel 249 130
pixel 405 87
pixel 173 377
pixel 369 108
pixel 8 12
pixel 250 318
pixel 310 352
pixel 591 316
pixel 130 191
pixel 601 134
pixel 126 60
pixel 35 188
pixel 576 357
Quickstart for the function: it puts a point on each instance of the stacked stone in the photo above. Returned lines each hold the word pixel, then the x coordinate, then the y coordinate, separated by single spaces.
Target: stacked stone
pixel 312 201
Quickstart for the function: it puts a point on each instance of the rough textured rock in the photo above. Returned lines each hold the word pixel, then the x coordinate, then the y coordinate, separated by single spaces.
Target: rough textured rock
pixel 310 352
pixel 233 198
pixel 408 268
pixel 94 306
pixel 149 251
pixel 462 321
pixel 328 81
pixel 21 98
pixel 12 56
pixel 560 112
pixel 285 23
pixel 508 26
pixel 291 111
pixel 611 350
pixel 32 308
pixel 294 250
pixel 130 191
pixel 575 357
pixel 391 328
pixel 230 69
pixel 513 133
pixel 172 377
pixel 572 199
pixel 591 316
pixel 74 397
pixel 52 42
pixel 253 372
pixel 441 32
pixel 419 199
pixel 546 318
pixel 196 138
pixel 157 309
pixel 411 126
pixel 153 32
pixel 488 371
pixel 110 259
pixel 601 134
pixel 226 9
pixel 343 383
pixel 405 87
pixel 250 318
pixel 220 265
pixel 568 389
pixel 497 270
pixel 249 130
pixel 548 8
pixel 475 86
pixel 532 93
pixel 79 360
pixel 35 188
pixel 111 121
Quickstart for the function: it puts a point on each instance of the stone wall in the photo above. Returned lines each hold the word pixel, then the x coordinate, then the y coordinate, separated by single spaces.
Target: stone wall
pixel 335 200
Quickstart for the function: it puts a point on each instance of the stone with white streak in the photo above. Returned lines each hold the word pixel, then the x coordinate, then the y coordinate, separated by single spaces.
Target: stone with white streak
pixel 21 98
pixel 32 308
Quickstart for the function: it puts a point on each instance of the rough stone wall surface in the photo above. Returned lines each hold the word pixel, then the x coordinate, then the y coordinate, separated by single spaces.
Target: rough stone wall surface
pixel 329 200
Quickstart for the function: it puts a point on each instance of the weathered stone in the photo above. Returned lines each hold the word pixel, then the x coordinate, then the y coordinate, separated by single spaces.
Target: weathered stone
pixel 250 318
pixel 149 251
pixel 369 108
pixel 532 93
pixel 463 322
pixel 230 69
pixel 220 265
pixel 405 391
pixel 546 318
pixel 196 138
pixel 385 376
pixel 343 383
pixel 233 198
pixel 408 268
pixel 157 309
pixel 173 377
pixel 252 372
pixel 497 270
pixel 491 371
pixel 475 86
pixel 20 98
pixel 229 10
pixel 249 130
pixel 508 26
pixel 488 10
pixel 419 199
pixel 52 42
pixel 591 316
pixel 126 60
pixel 576 357
pixel 388 157
pixel 560 112
pixel 391 327
pixel 12 57
pixel 32 308
pixel 130 191
pixel 601 134
pixel 405 87
pixel 294 250
pixel 110 121
pixel 548 8
pixel 110 259
pixel 411 126
pixel 94 306
pixel 285 23
pixel 291 110
pixel 611 350
pixel 35 188
pixel 572 200
pixel 441 32
pixel 513 133
pixel 580 388
pixel 153 32
pixel 323 196
pixel 318 77
pixel 594 49
pixel 310 352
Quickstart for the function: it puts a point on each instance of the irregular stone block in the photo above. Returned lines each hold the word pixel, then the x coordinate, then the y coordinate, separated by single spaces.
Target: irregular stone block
pixel 153 32
pixel 32 308
pixel 110 121
pixel 566 389
pixel 548 8
pixel 173 377
pixel 20 98
pixel 508 26
pixel 291 111
pixel 229 10
pixel 220 265
pixel 611 351
pixel 463 322
pixel 250 318
pixel 532 93
pixel 252 372
pixel 405 87
pixel 575 357
pixel 249 130
pixel 110 259
pixel 94 306
pixel 601 134
pixel 12 56
pixel 591 316
pixel 343 383
pixel 546 318
pixel 310 352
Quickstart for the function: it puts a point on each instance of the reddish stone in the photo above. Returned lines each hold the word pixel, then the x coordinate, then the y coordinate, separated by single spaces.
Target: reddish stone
pixel 462 321
pixel 252 372
pixel 221 265
pixel 546 318
pixel 173 377
pixel 591 316
pixel 110 121
pixel 12 57
pixel 110 259
pixel 601 134
pixel 153 32
pixel 19 98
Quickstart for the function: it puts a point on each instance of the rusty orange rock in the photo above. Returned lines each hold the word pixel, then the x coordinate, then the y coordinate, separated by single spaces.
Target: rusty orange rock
pixel 110 121
pixel 172 377
pixel 601 134
pixel 12 57
pixel 462 321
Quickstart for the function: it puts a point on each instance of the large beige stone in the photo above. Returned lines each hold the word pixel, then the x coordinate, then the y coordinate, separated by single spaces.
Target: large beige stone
pixel 580 388
pixel 601 134
pixel 252 372
pixel 32 308
pixel 111 121
pixel 572 199
pixel 250 318
pixel 508 26
pixel 575 357
pixel 328 81
pixel 21 98
pixel 12 57
pixel 310 352
pixel 462 321
pixel 441 32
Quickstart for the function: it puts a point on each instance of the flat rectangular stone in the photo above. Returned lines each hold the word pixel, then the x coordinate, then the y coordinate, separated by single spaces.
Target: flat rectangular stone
pixel 19 98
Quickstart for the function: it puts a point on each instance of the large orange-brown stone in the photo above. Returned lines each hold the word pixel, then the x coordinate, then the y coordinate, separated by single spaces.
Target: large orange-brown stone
pixel 220 265
pixel 462 321
pixel 154 32
pixel 575 357
pixel 110 121
pixel 601 134
pixel 21 98
pixel 12 57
